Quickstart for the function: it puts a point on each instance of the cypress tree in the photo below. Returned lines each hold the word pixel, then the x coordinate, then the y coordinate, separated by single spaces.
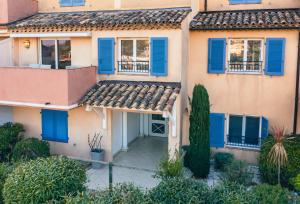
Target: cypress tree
pixel 199 160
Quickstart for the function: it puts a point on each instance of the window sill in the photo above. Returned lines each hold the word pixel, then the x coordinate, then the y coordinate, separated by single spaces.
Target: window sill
pixel 238 146
pixel 133 73
pixel 244 73
pixel 55 140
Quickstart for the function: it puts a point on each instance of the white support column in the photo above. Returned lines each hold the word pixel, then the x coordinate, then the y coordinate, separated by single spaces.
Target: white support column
pixel 104 118
pixel 124 139
pixel 141 125
pixel 146 125
pixel 174 122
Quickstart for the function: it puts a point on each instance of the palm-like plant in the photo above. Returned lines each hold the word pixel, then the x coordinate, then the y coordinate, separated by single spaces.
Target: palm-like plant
pixel 277 155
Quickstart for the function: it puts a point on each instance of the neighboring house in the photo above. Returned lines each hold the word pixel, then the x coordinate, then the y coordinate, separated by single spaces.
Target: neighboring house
pixel 245 52
pixel 125 68
pixel 115 70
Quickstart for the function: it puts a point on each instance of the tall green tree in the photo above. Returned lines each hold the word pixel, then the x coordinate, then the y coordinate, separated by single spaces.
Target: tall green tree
pixel 199 160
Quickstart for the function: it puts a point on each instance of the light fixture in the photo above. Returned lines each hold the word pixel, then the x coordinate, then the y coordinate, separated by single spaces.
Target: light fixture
pixel 26 44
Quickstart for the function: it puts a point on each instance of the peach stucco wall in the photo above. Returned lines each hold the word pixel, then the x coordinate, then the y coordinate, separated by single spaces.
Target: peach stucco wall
pixel 57 87
pixel 54 6
pixel 11 10
pixel 81 124
pixel 261 95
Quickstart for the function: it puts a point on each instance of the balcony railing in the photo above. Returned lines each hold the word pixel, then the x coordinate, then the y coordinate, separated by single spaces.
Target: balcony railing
pixel 242 141
pixel 133 66
pixel 246 66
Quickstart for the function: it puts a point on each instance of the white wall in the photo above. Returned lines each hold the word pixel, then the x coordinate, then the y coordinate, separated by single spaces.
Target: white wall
pixel 133 130
pixel 117 132
pixel 6 52
pixel 6 114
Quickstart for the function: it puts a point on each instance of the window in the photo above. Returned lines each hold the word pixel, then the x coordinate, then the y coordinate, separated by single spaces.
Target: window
pixel 244 131
pixel 56 53
pixel 134 55
pixel 55 125
pixel 245 55
pixel 72 2
pixel 244 1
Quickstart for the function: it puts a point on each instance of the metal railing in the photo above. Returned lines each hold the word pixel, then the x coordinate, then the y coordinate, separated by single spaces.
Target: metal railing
pixel 246 66
pixel 242 141
pixel 133 66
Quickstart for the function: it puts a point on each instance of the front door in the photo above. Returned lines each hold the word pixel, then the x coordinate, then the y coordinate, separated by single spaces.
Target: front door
pixel 158 126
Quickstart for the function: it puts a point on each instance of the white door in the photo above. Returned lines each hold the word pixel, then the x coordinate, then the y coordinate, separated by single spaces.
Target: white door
pixel 158 126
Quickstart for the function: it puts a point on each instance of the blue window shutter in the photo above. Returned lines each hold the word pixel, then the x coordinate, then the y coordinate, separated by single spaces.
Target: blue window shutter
pixel 264 128
pixel 275 54
pixel 216 55
pixel 216 130
pixel 106 55
pixel 78 2
pixel 48 125
pixel 159 56
pixel 65 2
pixel 61 124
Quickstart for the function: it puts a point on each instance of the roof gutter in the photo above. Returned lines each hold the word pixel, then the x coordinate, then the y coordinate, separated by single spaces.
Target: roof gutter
pixel 297 90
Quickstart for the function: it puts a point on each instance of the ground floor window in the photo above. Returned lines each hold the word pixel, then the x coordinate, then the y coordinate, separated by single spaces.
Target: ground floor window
pixel 55 125
pixel 244 130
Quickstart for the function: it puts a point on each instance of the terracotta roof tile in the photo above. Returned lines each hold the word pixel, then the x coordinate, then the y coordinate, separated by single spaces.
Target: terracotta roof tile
pixel 155 96
pixel 115 19
pixel 247 19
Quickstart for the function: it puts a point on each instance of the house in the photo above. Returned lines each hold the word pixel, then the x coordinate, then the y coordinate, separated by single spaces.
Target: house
pixel 245 52
pixel 125 69
pixel 110 67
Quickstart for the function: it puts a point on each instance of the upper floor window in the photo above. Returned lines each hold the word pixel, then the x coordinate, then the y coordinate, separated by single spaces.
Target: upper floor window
pixel 244 1
pixel 245 55
pixel 56 53
pixel 134 55
pixel 72 2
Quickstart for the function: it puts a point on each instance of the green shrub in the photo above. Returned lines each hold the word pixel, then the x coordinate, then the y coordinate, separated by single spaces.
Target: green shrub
pixel 238 172
pixel 169 168
pixel 10 134
pixel 180 190
pixel 268 194
pixel 5 169
pixel 269 172
pixel 296 182
pixel 30 148
pixel 44 179
pixel 223 159
pixel 231 193
pixel 199 153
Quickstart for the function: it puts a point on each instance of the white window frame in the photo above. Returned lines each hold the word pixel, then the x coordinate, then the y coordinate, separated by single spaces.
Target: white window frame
pixel 245 55
pixel 56 50
pixel 134 54
pixel 238 145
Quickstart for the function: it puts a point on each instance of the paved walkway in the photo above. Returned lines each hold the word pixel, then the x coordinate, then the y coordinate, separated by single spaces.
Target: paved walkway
pixel 143 157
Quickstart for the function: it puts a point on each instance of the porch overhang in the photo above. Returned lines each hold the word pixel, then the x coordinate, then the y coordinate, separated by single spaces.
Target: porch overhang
pixel 133 96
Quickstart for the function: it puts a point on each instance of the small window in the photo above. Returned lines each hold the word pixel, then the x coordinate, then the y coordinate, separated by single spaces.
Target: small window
pixel 245 55
pixel 56 53
pixel 244 131
pixel 134 55
pixel 55 125
pixel 72 2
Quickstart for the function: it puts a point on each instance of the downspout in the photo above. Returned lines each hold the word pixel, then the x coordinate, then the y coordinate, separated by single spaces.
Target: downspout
pixel 297 90
pixel 205 5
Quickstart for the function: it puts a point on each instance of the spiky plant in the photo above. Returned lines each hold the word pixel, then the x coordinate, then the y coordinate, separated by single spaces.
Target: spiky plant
pixel 277 155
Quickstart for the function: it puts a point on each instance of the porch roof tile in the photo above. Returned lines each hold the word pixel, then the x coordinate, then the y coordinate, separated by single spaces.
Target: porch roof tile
pixel 247 19
pixel 144 95
pixel 110 19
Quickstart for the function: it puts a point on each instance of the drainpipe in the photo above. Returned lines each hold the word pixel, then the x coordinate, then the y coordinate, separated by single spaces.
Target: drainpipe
pixel 297 90
pixel 205 5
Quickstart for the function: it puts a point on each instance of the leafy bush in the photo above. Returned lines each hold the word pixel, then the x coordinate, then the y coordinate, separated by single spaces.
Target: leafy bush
pixel 199 153
pixel 30 148
pixel 268 194
pixel 44 179
pixel 10 134
pixel 180 190
pixel 5 169
pixel 238 172
pixel 296 182
pixel 269 172
pixel 169 168
pixel 230 192
pixel 222 159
